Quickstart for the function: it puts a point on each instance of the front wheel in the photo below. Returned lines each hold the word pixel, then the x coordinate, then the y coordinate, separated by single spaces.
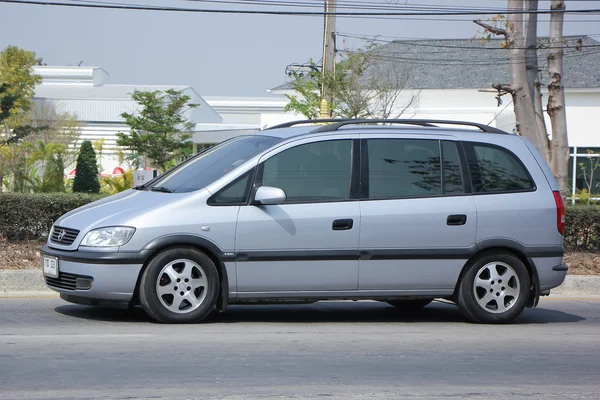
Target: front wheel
pixel 179 286
pixel 495 288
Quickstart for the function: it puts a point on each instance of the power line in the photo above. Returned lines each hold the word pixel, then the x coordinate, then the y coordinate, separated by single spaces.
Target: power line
pixel 419 43
pixel 282 13
pixel 456 62
pixel 501 111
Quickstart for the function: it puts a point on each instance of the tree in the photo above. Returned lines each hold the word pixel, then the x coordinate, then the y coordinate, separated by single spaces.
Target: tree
pixel 364 85
pixel 53 180
pixel 16 73
pixel 559 162
pixel 525 87
pixel 86 170
pixel 17 83
pixel 159 131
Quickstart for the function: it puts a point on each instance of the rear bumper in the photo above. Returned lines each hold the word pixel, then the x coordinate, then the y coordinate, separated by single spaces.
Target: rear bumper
pixel 551 272
pixel 96 276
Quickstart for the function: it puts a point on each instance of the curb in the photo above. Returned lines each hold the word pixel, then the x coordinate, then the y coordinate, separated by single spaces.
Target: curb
pixel 28 281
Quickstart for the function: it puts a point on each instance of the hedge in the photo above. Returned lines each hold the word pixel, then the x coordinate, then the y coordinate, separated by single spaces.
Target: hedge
pixel 583 228
pixel 30 216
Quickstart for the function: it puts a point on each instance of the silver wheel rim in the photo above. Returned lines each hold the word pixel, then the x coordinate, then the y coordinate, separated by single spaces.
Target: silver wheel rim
pixel 181 286
pixel 496 287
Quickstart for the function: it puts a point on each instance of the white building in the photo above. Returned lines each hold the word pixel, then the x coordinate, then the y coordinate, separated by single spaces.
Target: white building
pixel 85 93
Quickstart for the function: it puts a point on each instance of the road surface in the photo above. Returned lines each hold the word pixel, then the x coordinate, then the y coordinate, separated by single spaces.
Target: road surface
pixel 50 349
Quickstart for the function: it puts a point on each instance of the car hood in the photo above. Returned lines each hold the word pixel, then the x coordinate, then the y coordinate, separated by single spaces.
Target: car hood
pixel 116 210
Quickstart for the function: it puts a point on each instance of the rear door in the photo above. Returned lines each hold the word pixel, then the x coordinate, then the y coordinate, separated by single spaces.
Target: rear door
pixel 310 242
pixel 418 225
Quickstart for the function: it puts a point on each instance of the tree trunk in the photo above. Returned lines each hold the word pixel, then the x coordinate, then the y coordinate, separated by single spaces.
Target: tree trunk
pixel 533 82
pixel 556 98
pixel 519 88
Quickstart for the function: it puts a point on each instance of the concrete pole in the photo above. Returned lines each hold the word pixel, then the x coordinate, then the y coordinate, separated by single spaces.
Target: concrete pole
pixel 328 57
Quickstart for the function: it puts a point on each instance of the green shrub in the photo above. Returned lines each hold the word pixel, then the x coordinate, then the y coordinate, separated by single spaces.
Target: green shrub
pixel 28 216
pixel 54 180
pixel 86 170
pixel 583 228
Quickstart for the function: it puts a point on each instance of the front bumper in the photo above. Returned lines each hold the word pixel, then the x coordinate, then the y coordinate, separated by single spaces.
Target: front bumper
pixel 95 275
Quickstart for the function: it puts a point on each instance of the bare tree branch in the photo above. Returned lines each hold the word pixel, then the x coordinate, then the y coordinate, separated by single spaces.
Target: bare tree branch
pixel 493 29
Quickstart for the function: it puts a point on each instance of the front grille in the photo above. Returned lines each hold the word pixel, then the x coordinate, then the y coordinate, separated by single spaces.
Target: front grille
pixel 69 281
pixel 65 236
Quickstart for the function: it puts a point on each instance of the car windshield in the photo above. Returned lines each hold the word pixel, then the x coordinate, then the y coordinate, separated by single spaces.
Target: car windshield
pixel 205 168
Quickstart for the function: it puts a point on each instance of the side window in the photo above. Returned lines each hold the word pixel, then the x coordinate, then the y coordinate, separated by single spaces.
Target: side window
pixel 310 172
pixel 453 183
pixel 403 168
pixel 494 169
pixel 235 193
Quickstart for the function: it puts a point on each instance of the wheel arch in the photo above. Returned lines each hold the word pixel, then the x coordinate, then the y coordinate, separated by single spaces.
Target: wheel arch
pixel 511 247
pixel 208 247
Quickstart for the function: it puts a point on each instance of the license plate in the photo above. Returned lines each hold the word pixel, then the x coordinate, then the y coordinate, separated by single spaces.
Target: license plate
pixel 50 265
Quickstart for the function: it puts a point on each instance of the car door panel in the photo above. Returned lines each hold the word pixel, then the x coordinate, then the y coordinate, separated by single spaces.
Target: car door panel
pixel 418 227
pixel 309 242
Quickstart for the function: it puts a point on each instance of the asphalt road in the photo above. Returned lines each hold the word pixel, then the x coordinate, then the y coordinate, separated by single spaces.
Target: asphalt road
pixel 50 349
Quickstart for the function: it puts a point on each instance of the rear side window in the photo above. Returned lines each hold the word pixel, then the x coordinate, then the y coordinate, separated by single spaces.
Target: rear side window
pixel 494 169
pixel 403 168
pixel 453 183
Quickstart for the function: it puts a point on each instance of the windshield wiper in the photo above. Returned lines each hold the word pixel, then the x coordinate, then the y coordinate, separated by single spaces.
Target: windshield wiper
pixel 161 189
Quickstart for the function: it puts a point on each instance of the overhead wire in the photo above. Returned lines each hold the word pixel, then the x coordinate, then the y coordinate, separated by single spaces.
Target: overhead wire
pixel 420 43
pixel 282 13
pixel 454 62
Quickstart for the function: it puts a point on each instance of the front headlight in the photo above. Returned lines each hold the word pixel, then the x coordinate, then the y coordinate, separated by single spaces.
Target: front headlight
pixel 111 236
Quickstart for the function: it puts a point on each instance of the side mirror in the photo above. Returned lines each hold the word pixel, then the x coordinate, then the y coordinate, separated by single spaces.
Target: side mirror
pixel 267 195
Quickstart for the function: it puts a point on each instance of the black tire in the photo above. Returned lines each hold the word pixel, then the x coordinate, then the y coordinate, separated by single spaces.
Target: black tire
pixel 153 305
pixel 471 296
pixel 410 304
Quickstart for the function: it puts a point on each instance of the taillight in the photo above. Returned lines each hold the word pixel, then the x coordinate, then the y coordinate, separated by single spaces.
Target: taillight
pixel 560 212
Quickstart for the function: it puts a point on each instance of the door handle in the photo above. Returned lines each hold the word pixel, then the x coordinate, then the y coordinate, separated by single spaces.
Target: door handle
pixel 456 219
pixel 342 224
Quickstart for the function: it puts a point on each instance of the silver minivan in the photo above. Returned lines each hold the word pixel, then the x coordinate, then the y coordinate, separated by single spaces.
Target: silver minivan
pixel 403 213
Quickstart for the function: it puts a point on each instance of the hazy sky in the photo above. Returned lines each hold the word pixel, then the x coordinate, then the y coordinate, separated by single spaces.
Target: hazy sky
pixel 233 55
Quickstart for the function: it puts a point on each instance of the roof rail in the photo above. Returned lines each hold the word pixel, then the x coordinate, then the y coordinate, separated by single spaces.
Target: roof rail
pixel 420 122
pixel 306 121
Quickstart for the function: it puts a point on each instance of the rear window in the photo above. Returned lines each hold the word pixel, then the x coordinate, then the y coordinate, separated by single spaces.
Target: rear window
pixel 494 169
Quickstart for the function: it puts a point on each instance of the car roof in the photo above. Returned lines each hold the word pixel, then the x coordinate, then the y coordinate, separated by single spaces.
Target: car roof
pixel 419 126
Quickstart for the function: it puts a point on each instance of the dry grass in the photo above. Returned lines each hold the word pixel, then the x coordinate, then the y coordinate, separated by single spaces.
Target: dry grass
pixel 26 255
pixel 20 255
pixel 582 263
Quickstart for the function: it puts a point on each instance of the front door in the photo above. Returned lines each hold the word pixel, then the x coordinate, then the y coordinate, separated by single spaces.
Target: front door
pixel 417 224
pixel 309 242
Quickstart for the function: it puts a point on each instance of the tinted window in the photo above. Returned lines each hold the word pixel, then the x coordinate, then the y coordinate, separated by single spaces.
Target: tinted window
pixel 207 167
pixel 236 192
pixel 494 169
pixel 317 171
pixel 453 182
pixel 403 168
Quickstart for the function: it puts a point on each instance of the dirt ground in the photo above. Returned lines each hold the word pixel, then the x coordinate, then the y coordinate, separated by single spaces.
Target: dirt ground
pixel 26 255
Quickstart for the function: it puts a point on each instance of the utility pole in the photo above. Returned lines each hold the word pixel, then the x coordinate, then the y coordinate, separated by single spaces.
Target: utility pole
pixel 328 57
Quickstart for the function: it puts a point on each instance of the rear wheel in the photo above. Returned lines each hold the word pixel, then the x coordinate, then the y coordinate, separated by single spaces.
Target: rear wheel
pixel 495 288
pixel 179 286
pixel 410 304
